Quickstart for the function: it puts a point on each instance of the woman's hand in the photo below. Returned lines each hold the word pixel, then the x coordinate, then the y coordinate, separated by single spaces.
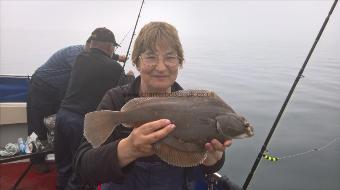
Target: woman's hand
pixel 139 142
pixel 215 151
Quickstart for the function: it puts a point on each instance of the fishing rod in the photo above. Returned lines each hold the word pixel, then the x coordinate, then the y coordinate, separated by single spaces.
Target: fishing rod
pixel 264 146
pixel 133 34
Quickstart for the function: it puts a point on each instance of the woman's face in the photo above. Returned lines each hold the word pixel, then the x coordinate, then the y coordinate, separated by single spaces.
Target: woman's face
pixel 158 70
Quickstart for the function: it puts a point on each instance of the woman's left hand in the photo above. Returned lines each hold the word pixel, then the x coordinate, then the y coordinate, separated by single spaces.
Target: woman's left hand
pixel 215 151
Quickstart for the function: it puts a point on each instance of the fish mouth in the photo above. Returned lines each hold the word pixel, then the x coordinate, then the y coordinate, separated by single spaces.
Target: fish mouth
pixel 247 134
pixel 250 131
pixel 242 136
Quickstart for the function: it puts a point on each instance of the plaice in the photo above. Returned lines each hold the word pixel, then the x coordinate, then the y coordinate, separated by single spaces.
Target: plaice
pixel 199 116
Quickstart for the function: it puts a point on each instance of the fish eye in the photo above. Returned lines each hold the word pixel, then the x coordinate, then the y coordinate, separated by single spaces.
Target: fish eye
pixel 247 124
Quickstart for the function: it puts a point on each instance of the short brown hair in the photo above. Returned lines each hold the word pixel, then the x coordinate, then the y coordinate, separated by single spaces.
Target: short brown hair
pixel 154 33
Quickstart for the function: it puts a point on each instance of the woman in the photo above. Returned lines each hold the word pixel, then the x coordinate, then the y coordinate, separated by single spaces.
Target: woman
pixel 127 160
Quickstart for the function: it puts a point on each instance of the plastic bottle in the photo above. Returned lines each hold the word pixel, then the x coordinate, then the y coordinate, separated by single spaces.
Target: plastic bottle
pixel 22 146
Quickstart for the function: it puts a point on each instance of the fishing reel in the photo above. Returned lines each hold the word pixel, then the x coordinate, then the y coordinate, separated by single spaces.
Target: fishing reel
pixel 218 182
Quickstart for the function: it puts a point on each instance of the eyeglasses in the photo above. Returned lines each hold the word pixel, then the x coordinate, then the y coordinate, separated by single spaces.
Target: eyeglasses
pixel 152 60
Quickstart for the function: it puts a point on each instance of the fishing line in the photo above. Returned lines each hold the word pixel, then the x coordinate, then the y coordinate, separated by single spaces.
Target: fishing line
pixel 264 146
pixel 133 34
pixel 266 155
pixel 120 43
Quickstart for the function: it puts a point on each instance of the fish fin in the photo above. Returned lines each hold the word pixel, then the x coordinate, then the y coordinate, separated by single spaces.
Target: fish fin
pixel 202 93
pixel 195 93
pixel 99 125
pixel 135 102
pixel 179 158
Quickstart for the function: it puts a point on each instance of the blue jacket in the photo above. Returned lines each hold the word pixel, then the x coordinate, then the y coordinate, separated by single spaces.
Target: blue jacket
pixel 57 69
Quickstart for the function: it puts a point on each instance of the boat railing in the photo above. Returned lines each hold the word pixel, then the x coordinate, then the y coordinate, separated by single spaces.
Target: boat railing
pixel 15 76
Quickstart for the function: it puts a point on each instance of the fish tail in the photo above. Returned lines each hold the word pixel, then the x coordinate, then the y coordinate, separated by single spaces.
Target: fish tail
pixel 99 125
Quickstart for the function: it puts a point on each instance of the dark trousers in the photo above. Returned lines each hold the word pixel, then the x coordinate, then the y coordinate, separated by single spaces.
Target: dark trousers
pixel 42 101
pixel 68 134
pixel 150 176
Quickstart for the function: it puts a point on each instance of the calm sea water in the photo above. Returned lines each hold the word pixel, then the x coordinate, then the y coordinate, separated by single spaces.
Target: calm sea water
pixel 249 52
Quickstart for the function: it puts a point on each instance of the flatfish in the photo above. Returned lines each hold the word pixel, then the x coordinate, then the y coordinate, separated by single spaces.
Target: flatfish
pixel 199 116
